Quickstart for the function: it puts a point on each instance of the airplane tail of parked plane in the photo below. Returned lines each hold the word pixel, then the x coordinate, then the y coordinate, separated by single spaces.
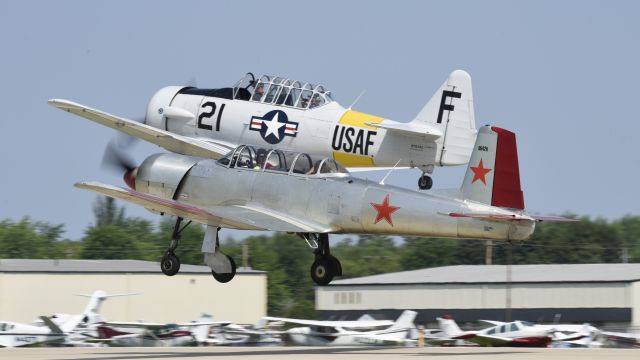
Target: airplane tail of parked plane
pixel 450 112
pixel 92 310
pixel 449 326
pixel 201 332
pixel 493 176
pixel 404 322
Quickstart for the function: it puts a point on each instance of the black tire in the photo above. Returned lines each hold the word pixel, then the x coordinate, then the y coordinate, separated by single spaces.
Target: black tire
pixel 322 271
pixel 425 182
pixel 337 267
pixel 226 277
pixel 170 264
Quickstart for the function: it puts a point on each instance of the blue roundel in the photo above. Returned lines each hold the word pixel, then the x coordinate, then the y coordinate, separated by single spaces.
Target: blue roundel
pixel 274 126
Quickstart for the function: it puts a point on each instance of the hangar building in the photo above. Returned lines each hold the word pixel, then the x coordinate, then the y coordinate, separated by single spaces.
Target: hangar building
pixel 31 288
pixel 601 294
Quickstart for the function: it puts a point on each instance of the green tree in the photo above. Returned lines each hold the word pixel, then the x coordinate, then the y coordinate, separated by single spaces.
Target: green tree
pixel 27 239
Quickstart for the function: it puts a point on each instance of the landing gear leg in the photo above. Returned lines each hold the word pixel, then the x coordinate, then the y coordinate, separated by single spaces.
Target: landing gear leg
pixel 223 268
pixel 325 266
pixel 170 263
pixel 425 182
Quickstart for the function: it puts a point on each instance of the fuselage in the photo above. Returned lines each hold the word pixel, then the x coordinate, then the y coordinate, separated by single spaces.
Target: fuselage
pixel 337 200
pixel 327 336
pixel 328 130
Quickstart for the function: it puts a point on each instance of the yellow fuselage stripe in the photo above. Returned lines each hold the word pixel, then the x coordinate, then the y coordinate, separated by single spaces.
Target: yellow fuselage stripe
pixel 357 120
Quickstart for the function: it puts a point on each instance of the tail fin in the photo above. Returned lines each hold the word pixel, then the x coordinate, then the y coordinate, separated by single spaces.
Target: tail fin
pixel 405 320
pixel 201 332
pixel 449 326
pixel 493 176
pixel 450 110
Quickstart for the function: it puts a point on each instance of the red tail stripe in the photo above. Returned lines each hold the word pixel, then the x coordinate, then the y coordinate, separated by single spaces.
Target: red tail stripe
pixel 506 179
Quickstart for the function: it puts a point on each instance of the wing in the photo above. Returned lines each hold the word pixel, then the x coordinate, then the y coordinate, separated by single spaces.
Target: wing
pixel 344 324
pixel 133 324
pixel 488 340
pixel 244 217
pixel 172 142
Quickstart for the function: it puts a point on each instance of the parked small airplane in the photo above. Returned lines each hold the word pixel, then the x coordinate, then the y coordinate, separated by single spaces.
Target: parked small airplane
pixel 234 334
pixel 347 333
pixel 91 313
pixel 516 333
pixel 13 334
pixel 301 117
pixel 156 334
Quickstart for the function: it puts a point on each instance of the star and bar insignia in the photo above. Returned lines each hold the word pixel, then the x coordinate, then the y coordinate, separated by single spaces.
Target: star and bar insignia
pixel 274 126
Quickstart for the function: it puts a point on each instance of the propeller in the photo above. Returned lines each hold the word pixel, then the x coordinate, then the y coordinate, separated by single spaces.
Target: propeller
pixel 116 159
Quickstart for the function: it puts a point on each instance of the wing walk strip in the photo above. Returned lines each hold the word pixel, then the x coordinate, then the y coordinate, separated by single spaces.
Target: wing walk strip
pixel 287 219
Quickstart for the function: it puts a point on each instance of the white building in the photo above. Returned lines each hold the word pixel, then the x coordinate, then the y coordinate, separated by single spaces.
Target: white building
pixel 31 288
pixel 601 294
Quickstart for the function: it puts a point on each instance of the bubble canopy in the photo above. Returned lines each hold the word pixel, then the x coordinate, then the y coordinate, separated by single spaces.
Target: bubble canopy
pixel 279 161
pixel 277 90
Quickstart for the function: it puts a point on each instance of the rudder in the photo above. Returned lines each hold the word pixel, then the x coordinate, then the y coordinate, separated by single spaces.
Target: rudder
pixel 493 175
pixel 450 110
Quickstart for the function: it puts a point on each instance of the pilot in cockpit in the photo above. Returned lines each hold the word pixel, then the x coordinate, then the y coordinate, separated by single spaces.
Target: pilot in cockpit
pixel 257 95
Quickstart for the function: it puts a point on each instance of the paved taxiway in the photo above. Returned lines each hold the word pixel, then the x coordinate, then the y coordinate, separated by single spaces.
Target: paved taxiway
pixel 351 353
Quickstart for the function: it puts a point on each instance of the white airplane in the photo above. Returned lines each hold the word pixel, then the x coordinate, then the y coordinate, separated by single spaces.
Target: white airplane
pixel 516 333
pixel 91 313
pixel 349 333
pixel 570 335
pixel 13 334
pixel 156 334
pixel 301 117
pixel 234 334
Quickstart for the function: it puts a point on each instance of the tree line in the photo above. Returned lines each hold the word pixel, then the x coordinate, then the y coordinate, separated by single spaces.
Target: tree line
pixel 287 258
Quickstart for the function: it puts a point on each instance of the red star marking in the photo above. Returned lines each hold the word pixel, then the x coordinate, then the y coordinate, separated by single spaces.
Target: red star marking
pixel 384 210
pixel 479 173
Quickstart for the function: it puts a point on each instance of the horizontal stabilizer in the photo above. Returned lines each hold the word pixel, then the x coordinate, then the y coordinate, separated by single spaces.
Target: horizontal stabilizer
pixel 511 217
pixel 170 141
pixel 416 129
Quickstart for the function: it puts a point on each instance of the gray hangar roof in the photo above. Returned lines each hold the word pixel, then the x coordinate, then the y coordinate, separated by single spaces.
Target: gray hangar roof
pixel 99 266
pixel 483 274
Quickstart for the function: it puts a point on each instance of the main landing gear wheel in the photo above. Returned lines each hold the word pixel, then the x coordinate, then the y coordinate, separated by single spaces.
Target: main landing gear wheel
pixel 226 277
pixel 170 264
pixel 425 182
pixel 325 266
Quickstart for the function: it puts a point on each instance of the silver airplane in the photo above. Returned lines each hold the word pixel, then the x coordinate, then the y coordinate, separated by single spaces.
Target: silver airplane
pixel 260 189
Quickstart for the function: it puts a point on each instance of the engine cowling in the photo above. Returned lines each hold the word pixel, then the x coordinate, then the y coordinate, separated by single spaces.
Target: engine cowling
pixel 162 174
pixel 157 107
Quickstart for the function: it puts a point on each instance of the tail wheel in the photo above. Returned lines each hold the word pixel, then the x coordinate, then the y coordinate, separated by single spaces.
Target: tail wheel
pixel 425 182
pixel 226 277
pixel 170 264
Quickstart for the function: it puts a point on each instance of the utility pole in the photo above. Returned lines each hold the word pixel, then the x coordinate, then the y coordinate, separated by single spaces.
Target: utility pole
pixel 245 256
pixel 488 252
pixel 507 314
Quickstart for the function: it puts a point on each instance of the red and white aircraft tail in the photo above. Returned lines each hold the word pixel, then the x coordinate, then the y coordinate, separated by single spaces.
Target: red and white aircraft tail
pixel 493 176
pixel 449 326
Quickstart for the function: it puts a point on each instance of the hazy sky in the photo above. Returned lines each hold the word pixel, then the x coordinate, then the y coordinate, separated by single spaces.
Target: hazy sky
pixel 562 74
